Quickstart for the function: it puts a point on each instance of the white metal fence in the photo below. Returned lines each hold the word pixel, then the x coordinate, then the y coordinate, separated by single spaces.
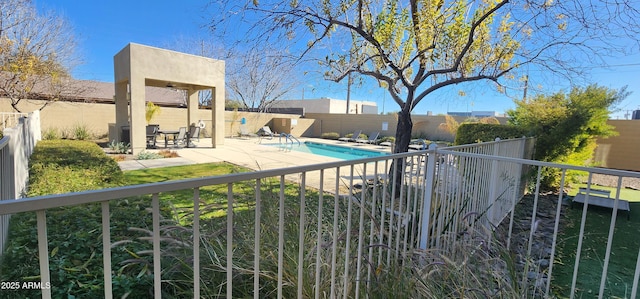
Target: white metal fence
pixel 16 147
pixel 463 185
pixel 270 237
pixel 10 119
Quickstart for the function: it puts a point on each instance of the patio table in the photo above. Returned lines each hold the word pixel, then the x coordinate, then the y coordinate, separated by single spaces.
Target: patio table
pixel 166 134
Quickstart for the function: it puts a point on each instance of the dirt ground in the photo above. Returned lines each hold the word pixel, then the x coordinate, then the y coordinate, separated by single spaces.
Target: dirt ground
pixel 612 181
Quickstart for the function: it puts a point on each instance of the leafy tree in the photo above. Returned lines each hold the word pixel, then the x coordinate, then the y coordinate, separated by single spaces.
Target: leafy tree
pixel 150 111
pixel 36 53
pixel 413 48
pixel 566 126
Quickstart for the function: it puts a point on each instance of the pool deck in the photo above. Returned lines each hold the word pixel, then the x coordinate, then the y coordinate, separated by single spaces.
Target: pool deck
pixel 253 153
pixel 247 152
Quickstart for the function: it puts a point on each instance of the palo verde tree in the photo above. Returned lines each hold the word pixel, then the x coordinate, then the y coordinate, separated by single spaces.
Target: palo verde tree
pixel 36 53
pixel 415 47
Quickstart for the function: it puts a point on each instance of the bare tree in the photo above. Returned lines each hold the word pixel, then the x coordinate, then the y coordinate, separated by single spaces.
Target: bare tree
pixel 37 52
pixel 255 77
pixel 260 78
pixel 413 48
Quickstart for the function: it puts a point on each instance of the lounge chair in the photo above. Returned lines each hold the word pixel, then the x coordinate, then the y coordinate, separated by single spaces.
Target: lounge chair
pixel 354 137
pixel 418 145
pixel 373 138
pixel 245 133
pixel 266 132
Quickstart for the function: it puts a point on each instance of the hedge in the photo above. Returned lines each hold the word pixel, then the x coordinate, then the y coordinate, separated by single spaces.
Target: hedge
pixel 476 132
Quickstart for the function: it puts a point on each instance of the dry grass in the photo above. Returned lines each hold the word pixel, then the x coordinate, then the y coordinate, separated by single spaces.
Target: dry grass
pixel 168 154
pixel 119 158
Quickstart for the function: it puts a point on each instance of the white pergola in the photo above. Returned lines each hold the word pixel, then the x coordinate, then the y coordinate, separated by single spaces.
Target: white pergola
pixel 137 66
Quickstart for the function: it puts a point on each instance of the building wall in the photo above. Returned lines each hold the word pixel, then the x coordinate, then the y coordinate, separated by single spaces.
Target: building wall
pixel 328 105
pixel 424 126
pixel 100 118
pixel 620 152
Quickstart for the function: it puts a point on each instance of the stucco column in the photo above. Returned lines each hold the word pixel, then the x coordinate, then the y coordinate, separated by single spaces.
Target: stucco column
pixel 138 121
pixel 122 110
pixel 192 109
pixel 192 106
pixel 217 115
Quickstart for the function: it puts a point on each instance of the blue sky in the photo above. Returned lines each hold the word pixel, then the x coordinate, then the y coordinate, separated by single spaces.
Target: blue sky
pixel 104 27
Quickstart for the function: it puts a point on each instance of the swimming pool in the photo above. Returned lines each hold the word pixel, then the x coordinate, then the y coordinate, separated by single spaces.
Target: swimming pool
pixel 334 151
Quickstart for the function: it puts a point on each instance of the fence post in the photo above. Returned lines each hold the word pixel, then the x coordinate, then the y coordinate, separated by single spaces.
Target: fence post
pixel 493 182
pixel 430 175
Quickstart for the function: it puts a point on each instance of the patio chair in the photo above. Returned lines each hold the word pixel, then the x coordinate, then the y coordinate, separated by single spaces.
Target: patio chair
pixel 152 135
pixel 353 138
pixel 194 133
pixel 181 138
pixel 373 138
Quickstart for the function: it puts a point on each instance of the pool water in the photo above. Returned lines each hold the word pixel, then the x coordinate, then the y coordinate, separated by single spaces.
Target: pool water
pixel 333 151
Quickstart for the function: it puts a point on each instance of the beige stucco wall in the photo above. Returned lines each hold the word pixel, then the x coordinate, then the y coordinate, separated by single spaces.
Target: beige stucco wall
pixel 620 152
pixel 97 117
pixel 66 115
pixel 425 126
pixel 137 66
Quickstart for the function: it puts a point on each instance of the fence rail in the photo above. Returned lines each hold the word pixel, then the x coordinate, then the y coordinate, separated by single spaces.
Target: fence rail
pixel 271 236
pixel 11 119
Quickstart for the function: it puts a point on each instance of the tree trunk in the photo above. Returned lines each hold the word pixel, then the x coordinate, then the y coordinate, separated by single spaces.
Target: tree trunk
pixel 403 131
pixel 403 138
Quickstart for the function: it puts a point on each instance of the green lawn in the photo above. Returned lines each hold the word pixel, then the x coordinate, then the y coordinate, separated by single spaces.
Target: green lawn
pixel 623 254
pixel 630 195
pixel 213 198
pixel 155 175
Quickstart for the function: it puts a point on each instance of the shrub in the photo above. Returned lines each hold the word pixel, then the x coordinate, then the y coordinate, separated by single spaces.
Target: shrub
pixel 361 136
pixel 330 135
pixel 50 134
pixel 65 133
pixel 144 155
pixel 59 166
pixel 81 132
pixel 477 132
pixel 419 135
pixel 566 125
pixel 119 147
pixel 388 139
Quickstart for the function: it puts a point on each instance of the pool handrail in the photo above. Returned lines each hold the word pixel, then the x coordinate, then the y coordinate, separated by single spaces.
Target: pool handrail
pixel 288 137
pixel 292 138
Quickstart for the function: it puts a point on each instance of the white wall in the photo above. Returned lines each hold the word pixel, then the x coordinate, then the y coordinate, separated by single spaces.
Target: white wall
pixel 328 105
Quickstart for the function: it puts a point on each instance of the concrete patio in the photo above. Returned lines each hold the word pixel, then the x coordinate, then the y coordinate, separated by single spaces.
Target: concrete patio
pixel 261 154
pixel 252 153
